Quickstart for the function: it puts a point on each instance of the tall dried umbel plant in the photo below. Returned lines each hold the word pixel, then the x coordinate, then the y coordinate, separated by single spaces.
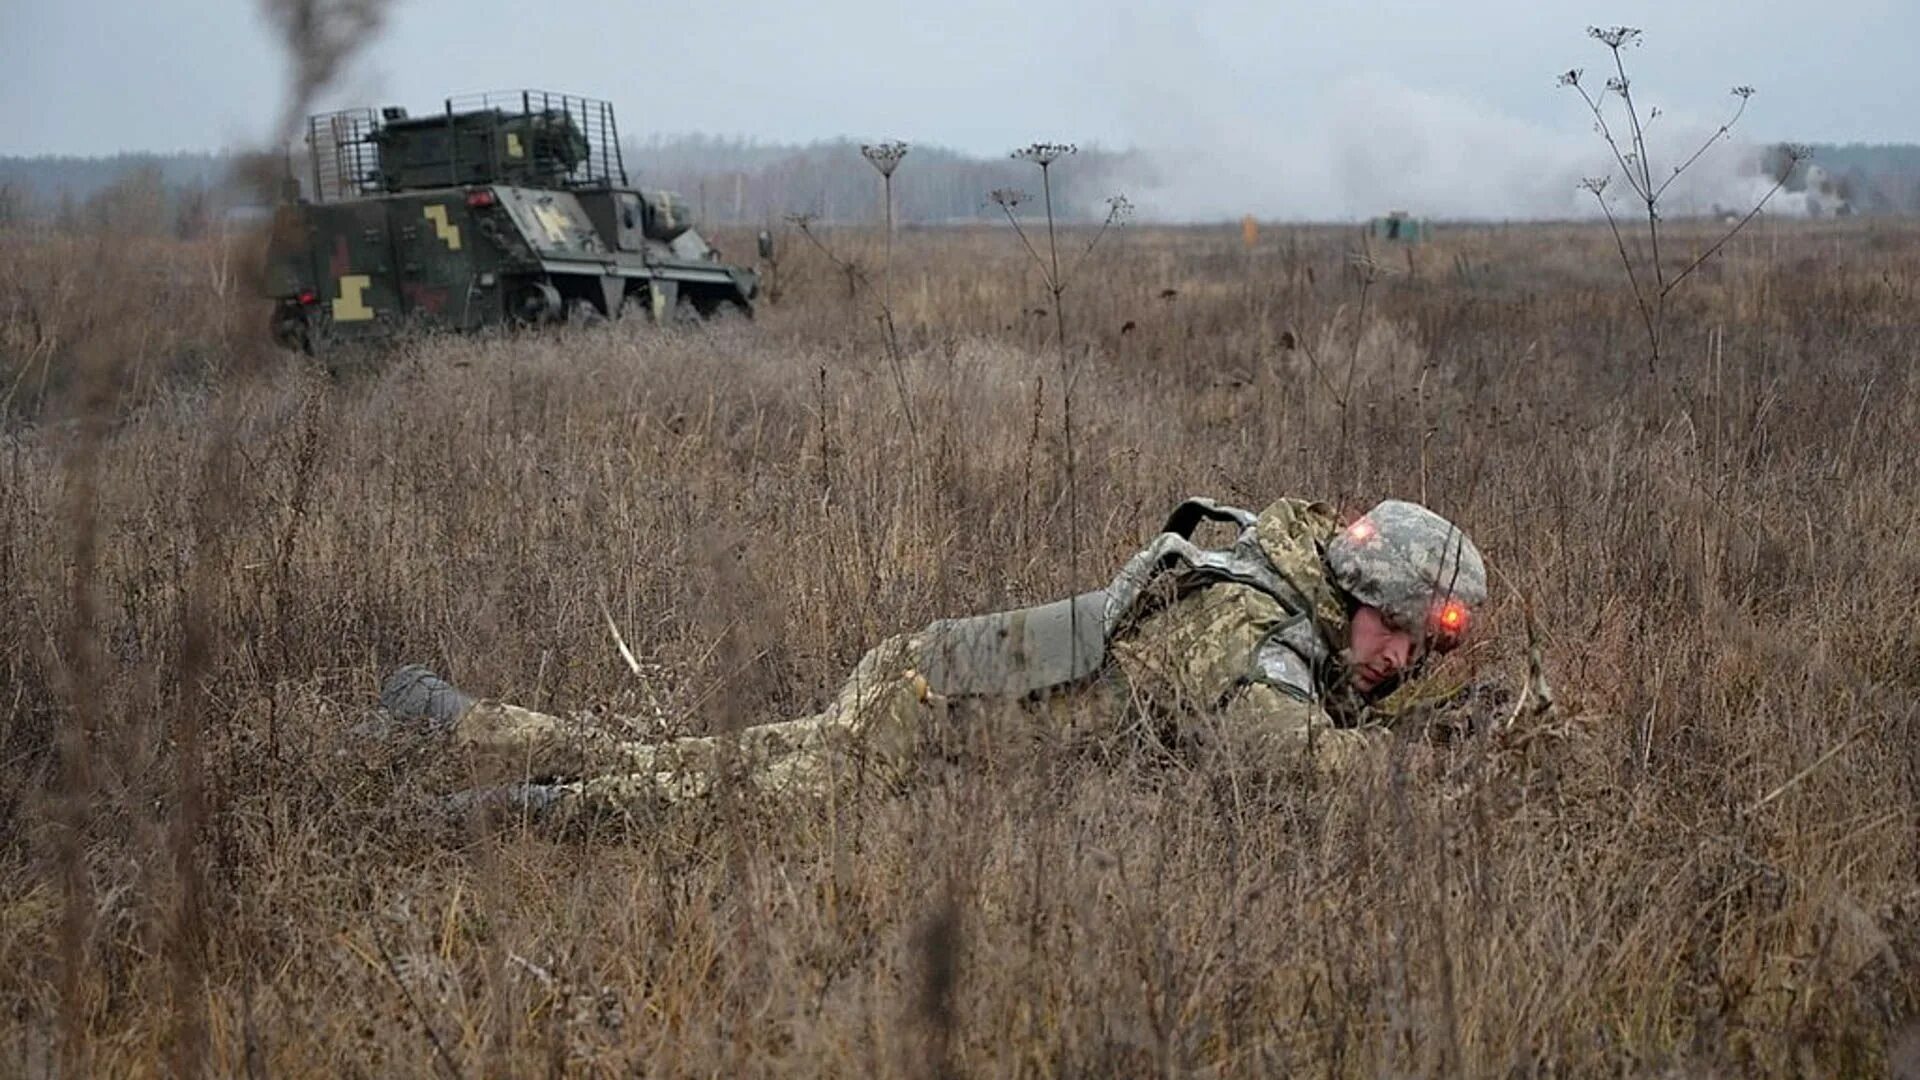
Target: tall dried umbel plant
pixel 1119 210
pixel 1648 275
pixel 885 157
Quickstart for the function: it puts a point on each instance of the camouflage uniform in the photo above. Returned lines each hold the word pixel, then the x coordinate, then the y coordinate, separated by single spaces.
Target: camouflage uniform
pixel 1241 650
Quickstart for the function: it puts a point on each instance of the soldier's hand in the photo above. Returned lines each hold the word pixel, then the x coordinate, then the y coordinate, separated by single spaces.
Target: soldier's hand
pixel 1441 710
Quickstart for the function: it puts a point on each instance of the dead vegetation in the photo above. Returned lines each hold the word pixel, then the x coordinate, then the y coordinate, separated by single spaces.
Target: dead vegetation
pixel 209 561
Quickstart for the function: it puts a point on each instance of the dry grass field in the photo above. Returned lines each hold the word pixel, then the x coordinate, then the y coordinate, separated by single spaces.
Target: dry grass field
pixel 1707 864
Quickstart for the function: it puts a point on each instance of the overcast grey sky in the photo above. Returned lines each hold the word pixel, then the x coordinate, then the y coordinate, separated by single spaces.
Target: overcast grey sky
pixel 1232 93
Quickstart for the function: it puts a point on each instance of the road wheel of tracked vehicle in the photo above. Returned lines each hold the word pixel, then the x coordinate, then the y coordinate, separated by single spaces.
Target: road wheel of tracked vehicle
pixel 534 302
pixel 292 330
pixel 633 306
pixel 686 313
pixel 730 311
pixel 581 312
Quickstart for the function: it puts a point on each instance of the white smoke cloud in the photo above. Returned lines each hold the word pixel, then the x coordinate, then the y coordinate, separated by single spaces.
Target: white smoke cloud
pixel 1373 143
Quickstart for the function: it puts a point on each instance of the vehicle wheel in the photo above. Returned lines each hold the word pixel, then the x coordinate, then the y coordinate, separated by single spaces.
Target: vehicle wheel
pixel 534 302
pixel 729 311
pixel 581 312
pixel 292 330
pixel 686 313
pixel 287 334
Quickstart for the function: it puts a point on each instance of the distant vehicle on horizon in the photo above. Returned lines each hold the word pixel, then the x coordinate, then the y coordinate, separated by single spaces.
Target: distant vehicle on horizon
pixel 506 208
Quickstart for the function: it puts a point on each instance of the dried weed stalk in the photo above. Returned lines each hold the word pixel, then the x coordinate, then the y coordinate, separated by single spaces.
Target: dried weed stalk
pixel 1119 210
pixel 1648 275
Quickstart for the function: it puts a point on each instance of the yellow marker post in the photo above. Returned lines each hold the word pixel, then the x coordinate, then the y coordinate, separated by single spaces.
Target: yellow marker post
pixel 1249 232
pixel 443 228
pixel 351 306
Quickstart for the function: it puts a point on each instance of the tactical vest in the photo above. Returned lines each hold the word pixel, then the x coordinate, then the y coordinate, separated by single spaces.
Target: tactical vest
pixel 1038 649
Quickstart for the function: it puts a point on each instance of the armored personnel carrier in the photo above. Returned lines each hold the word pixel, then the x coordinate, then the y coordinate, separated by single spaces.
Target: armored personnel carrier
pixel 506 207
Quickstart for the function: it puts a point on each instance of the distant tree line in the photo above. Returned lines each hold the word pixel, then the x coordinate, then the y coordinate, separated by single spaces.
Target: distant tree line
pixel 181 195
pixel 729 181
pixel 733 181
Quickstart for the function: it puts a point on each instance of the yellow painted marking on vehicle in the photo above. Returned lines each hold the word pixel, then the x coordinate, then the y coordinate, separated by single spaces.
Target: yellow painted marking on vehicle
pixel 351 306
pixel 443 228
pixel 514 149
pixel 553 221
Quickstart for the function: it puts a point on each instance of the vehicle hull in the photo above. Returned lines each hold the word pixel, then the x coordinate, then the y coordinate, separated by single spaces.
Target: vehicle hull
pixel 468 258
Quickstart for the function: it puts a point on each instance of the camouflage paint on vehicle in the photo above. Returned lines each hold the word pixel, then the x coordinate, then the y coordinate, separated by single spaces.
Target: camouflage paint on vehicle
pixel 507 208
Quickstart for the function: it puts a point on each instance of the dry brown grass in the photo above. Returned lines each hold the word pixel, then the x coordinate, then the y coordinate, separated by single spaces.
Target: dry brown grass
pixel 202 550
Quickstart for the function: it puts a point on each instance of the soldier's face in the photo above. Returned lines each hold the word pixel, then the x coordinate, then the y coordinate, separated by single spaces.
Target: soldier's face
pixel 1378 652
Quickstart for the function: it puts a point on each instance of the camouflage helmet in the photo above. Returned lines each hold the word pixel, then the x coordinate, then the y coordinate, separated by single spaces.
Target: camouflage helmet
pixel 1416 567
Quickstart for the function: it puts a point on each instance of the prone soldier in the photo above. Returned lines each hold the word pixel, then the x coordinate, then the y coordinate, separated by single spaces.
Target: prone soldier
pixel 1275 648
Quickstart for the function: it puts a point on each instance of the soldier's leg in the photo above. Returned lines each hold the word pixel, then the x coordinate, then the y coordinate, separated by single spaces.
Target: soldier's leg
pixel 500 741
pixel 881 717
pixel 873 732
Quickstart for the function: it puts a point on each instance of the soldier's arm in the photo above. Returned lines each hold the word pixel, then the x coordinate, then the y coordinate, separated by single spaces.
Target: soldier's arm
pixel 1267 727
pixel 1275 719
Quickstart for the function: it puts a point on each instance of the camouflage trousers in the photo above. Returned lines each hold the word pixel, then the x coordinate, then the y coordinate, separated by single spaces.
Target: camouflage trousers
pixel 885 721
pixel 558 767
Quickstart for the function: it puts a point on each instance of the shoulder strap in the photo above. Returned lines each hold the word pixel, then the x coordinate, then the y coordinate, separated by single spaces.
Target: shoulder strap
pixel 1188 515
pixel 1173 554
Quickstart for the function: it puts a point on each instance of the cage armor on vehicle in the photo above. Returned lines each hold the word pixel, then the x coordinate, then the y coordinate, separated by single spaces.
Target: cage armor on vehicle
pixel 507 207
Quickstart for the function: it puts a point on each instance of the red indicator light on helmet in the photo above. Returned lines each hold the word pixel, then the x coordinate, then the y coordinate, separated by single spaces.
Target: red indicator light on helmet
pixel 1453 617
pixel 307 296
pixel 479 198
pixel 1361 531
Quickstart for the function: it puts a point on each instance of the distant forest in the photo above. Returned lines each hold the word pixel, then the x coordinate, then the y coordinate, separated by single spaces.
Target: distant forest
pixel 730 181
pixel 733 181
